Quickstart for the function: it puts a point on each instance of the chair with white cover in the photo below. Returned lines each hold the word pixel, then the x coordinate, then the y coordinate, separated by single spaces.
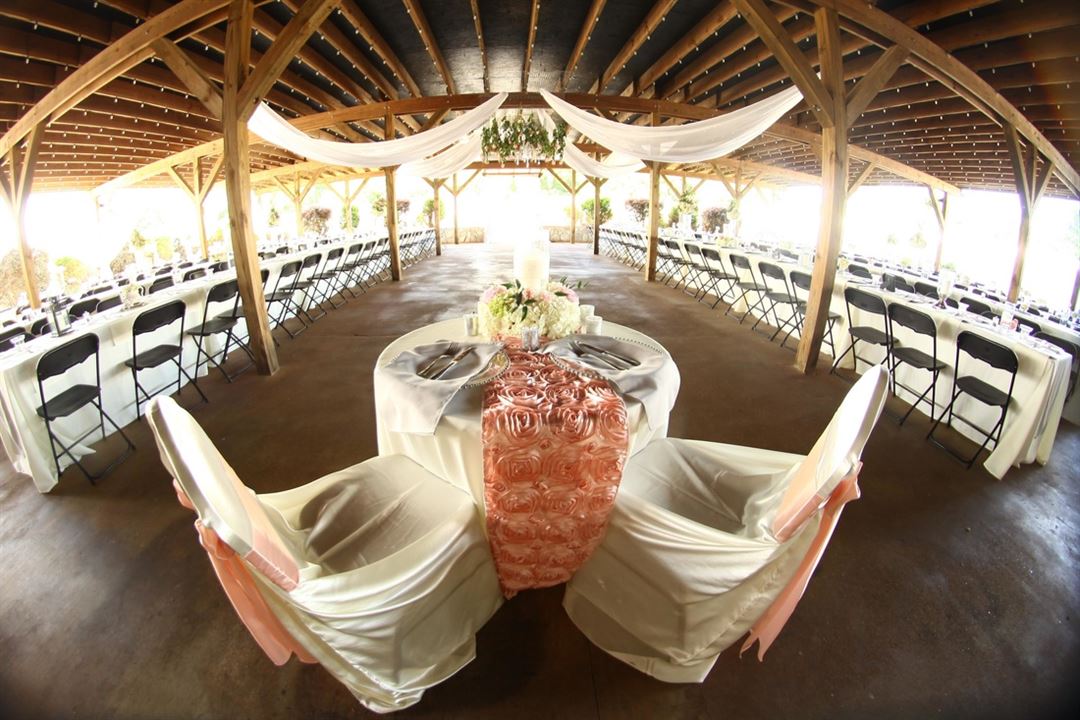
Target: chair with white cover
pixel 707 541
pixel 380 572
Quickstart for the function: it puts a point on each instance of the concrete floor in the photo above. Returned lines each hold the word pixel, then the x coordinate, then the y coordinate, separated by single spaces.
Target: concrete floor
pixel 944 593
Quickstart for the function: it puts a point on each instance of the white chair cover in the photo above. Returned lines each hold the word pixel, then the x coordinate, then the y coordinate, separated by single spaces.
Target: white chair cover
pixel 691 559
pixel 394 573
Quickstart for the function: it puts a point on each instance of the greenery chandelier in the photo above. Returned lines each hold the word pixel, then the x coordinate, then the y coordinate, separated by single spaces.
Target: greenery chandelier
pixel 522 138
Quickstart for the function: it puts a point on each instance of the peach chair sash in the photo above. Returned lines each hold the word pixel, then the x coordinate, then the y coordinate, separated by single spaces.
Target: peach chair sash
pixel 772 621
pixel 834 456
pixel 224 504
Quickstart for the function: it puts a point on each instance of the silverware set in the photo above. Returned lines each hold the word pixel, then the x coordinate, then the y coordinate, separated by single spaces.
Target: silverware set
pixel 428 372
pixel 612 359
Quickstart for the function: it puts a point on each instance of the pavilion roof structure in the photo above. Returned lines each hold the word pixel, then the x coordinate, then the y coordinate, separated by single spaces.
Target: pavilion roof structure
pixel 688 52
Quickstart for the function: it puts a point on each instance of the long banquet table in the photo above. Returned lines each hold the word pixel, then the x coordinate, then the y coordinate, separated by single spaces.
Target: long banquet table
pixel 1038 403
pixel 23 433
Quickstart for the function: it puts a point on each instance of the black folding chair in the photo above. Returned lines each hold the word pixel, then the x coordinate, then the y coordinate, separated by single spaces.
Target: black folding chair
pixel 40 327
pixel 977 307
pixel 927 289
pixel 305 282
pixel 7 336
pixel 159 285
pixel 164 270
pixel 921 324
pixel 219 266
pixel 83 307
pixel 1024 322
pixel 722 281
pixel 57 362
pixel 225 292
pixel 996 356
pixel 194 274
pixel 801 281
pixel 743 268
pixel 860 271
pixel 873 305
pixel 284 298
pixel 894 283
pixel 324 282
pixel 779 295
pixel 109 303
pixel 147 322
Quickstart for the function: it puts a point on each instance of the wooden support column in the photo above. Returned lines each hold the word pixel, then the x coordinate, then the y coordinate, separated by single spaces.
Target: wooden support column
pixel 455 192
pixel 346 199
pixel 391 206
pixel 437 220
pixel 573 206
pixel 1075 292
pixel 237 163
pixel 597 182
pixel 16 189
pixel 941 213
pixel 654 221
pixel 834 108
pixel 1031 182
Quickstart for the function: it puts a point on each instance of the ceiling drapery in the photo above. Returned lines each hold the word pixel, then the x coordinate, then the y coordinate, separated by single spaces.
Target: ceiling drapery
pixel 693 142
pixel 614 165
pixel 449 161
pixel 275 129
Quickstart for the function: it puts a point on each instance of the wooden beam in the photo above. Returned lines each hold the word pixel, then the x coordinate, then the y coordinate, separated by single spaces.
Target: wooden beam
pixel 130 50
pixel 416 13
pixel 864 175
pixel 534 22
pixel 391 209
pixel 597 182
pixel 834 177
pixel 713 21
pixel 436 185
pixel 21 166
pixel 584 35
pixel 282 51
pixel 475 6
pixel 777 39
pixel 238 187
pixel 867 88
pixel 654 17
pixel 367 30
pixel 190 74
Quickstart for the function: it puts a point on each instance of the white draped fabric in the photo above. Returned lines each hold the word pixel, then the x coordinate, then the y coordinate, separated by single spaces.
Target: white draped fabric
pixel 693 142
pixel 448 162
pixel 614 165
pixel 275 129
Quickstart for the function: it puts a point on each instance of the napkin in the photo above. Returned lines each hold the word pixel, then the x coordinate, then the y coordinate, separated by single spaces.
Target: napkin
pixel 415 404
pixel 654 383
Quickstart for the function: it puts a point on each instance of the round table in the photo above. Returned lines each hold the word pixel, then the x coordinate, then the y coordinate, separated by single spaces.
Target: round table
pixel 455 451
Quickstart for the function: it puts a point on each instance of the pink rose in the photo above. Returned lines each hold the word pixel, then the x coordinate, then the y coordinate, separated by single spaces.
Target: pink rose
pixel 519 467
pixel 518 423
pixel 603 465
pixel 564 393
pixel 573 423
pixel 512 531
pixel 612 423
pixel 560 466
pixel 562 501
pixel 560 530
pixel 519 501
pixel 520 395
pixel 600 391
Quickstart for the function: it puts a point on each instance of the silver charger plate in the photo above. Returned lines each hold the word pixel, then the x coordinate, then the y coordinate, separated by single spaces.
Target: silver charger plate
pixel 586 371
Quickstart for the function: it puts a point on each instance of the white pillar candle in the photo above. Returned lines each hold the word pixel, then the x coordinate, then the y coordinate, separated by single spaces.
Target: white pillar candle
pixel 531 264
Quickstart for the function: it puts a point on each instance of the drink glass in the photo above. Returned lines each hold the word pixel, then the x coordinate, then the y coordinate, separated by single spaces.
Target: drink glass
pixel 530 338
pixel 472 324
pixel 594 325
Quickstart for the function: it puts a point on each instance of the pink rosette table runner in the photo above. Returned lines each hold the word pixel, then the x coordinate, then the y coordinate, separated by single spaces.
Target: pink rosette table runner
pixel 554 448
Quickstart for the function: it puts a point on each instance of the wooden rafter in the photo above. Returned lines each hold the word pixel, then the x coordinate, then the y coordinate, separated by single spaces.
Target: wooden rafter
pixel 711 23
pixel 416 14
pixel 475 7
pixel 534 21
pixel 193 77
pixel 367 30
pixel 654 17
pixel 584 35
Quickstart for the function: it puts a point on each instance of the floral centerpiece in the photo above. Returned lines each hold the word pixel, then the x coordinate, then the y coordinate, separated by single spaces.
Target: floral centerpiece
pixel 507 307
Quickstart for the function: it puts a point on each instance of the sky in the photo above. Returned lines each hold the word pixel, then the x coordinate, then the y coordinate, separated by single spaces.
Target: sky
pixel 894 222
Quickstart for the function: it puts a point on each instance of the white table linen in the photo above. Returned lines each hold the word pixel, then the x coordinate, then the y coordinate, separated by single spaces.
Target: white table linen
pixel 455 451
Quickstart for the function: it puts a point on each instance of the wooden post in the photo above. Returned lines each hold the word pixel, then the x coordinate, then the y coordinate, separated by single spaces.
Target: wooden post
pixel 654 221
pixel 834 184
pixel 298 207
pixel 1031 182
pixel 438 218
pixel 16 188
pixel 455 192
pixel 391 205
pixel 1075 292
pixel 237 165
pixel 597 182
pixel 573 205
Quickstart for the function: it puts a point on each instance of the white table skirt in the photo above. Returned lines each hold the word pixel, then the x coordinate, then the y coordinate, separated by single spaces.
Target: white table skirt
pixel 455 452
pixel 23 432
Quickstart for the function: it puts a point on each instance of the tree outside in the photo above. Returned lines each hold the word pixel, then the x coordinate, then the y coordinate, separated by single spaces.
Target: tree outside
pixel 427 215
pixel 639 208
pixel 11 275
pixel 316 221
pixel 605 210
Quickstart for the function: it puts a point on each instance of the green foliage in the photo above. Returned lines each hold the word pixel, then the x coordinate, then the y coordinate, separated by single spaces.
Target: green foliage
pixel 273 217
pixel 11 275
pixel 352 212
pixel 76 272
pixel 138 241
pixel 165 247
pixel 403 207
pixel 918 240
pixel 713 219
pixel 605 210
pixel 316 220
pixel 123 258
pixel 427 215
pixel 686 204
pixel 520 135
pixel 378 203
pixel 639 208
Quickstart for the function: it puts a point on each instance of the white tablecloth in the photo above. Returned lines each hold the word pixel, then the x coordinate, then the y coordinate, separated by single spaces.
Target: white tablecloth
pixel 455 451
pixel 1041 383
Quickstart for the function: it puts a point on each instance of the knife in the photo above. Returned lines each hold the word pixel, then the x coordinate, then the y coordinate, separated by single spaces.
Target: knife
pixel 427 368
pixel 628 360
pixel 453 361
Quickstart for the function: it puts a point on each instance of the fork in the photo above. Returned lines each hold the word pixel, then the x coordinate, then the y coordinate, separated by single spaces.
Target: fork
pixel 578 350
